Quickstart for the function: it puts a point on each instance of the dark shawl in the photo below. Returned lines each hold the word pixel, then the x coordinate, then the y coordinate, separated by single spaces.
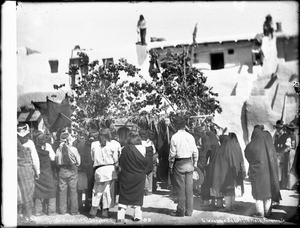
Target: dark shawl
pixel 210 145
pixel 85 154
pixel 273 167
pixel 257 153
pixel 44 186
pixel 86 165
pixel 25 174
pixel 86 160
pixel 227 166
pixel 132 176
pixel 149 150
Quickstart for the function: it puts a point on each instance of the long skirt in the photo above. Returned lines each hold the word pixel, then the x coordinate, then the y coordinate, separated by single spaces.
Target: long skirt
pixel 25 183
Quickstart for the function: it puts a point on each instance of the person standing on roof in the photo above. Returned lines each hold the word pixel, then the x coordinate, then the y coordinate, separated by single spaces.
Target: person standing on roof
pixel 268 27
pixel 141 29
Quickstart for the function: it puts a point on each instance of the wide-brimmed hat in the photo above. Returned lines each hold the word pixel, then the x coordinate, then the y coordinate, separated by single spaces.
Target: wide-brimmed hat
pixel 198 177
pixel 291 126
pixel 279 124
pixel 23 129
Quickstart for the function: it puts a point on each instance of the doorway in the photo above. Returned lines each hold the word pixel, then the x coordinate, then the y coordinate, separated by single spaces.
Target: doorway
pixel 217 61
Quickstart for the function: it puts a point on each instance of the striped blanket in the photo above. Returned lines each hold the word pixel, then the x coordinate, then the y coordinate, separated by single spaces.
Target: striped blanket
pixel 25 175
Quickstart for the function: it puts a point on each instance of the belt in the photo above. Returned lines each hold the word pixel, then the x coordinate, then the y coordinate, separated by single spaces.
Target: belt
pixel 96 167
pixel 179 159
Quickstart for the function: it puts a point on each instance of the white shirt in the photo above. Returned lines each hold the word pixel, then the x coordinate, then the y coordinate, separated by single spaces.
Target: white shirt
pixel 142 24
pixel 183 145
pixel 74 155
pixel 141 149
pixel 51 151
pixel 148 143
pixel 104 155
pixel 34 156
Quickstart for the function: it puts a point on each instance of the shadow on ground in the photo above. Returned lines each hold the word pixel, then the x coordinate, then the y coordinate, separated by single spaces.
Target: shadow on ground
pixel 165 211
pixel 286 213
pixel 162 193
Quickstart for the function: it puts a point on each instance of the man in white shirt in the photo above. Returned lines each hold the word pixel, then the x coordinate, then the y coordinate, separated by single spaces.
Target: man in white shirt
pixel 183 158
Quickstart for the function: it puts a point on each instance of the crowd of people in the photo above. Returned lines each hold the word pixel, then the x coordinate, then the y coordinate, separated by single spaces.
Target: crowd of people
pixel 84 173
pixel 55 172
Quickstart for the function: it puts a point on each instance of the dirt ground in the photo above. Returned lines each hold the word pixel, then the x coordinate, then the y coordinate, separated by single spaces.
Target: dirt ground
pixel 157 208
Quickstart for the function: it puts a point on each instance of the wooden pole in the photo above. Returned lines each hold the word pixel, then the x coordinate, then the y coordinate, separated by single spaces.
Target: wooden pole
pixel 283 108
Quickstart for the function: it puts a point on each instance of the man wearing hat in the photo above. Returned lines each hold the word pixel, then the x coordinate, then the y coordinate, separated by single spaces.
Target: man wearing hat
pixel 67 159
pixel 28 170
pixel 280 138
pixel 183 157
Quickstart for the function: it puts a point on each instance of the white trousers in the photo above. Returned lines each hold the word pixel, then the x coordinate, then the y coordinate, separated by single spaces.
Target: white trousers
pixel 104 191
pixel 263 207
pixel 137 213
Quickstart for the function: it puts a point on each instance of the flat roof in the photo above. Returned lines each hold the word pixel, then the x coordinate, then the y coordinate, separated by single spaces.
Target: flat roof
pixel 209 40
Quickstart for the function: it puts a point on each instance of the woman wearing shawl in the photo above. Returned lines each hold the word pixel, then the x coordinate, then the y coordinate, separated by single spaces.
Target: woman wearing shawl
pixel 227 170
pixel 45 189
pixel 28 170
pixel 133 164
pixel 105 157
pixel 208 147
pixel 260 153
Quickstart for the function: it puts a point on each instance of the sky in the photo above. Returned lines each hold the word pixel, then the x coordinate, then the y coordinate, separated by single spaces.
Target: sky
pixel 103 25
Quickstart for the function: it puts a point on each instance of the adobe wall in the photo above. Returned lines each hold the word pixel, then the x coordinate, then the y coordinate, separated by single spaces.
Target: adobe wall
pixel 250 99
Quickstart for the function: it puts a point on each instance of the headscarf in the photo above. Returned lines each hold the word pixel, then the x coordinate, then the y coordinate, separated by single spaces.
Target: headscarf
pixel 23 132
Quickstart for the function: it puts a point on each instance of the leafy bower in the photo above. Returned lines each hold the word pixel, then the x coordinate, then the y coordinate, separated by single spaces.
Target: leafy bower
pixel 101 95
pixel 181 86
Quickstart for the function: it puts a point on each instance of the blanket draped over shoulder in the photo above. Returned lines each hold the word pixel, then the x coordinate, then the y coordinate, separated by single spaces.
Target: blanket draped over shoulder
pixel 260 153
pixel 226 172
pixel 132 176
